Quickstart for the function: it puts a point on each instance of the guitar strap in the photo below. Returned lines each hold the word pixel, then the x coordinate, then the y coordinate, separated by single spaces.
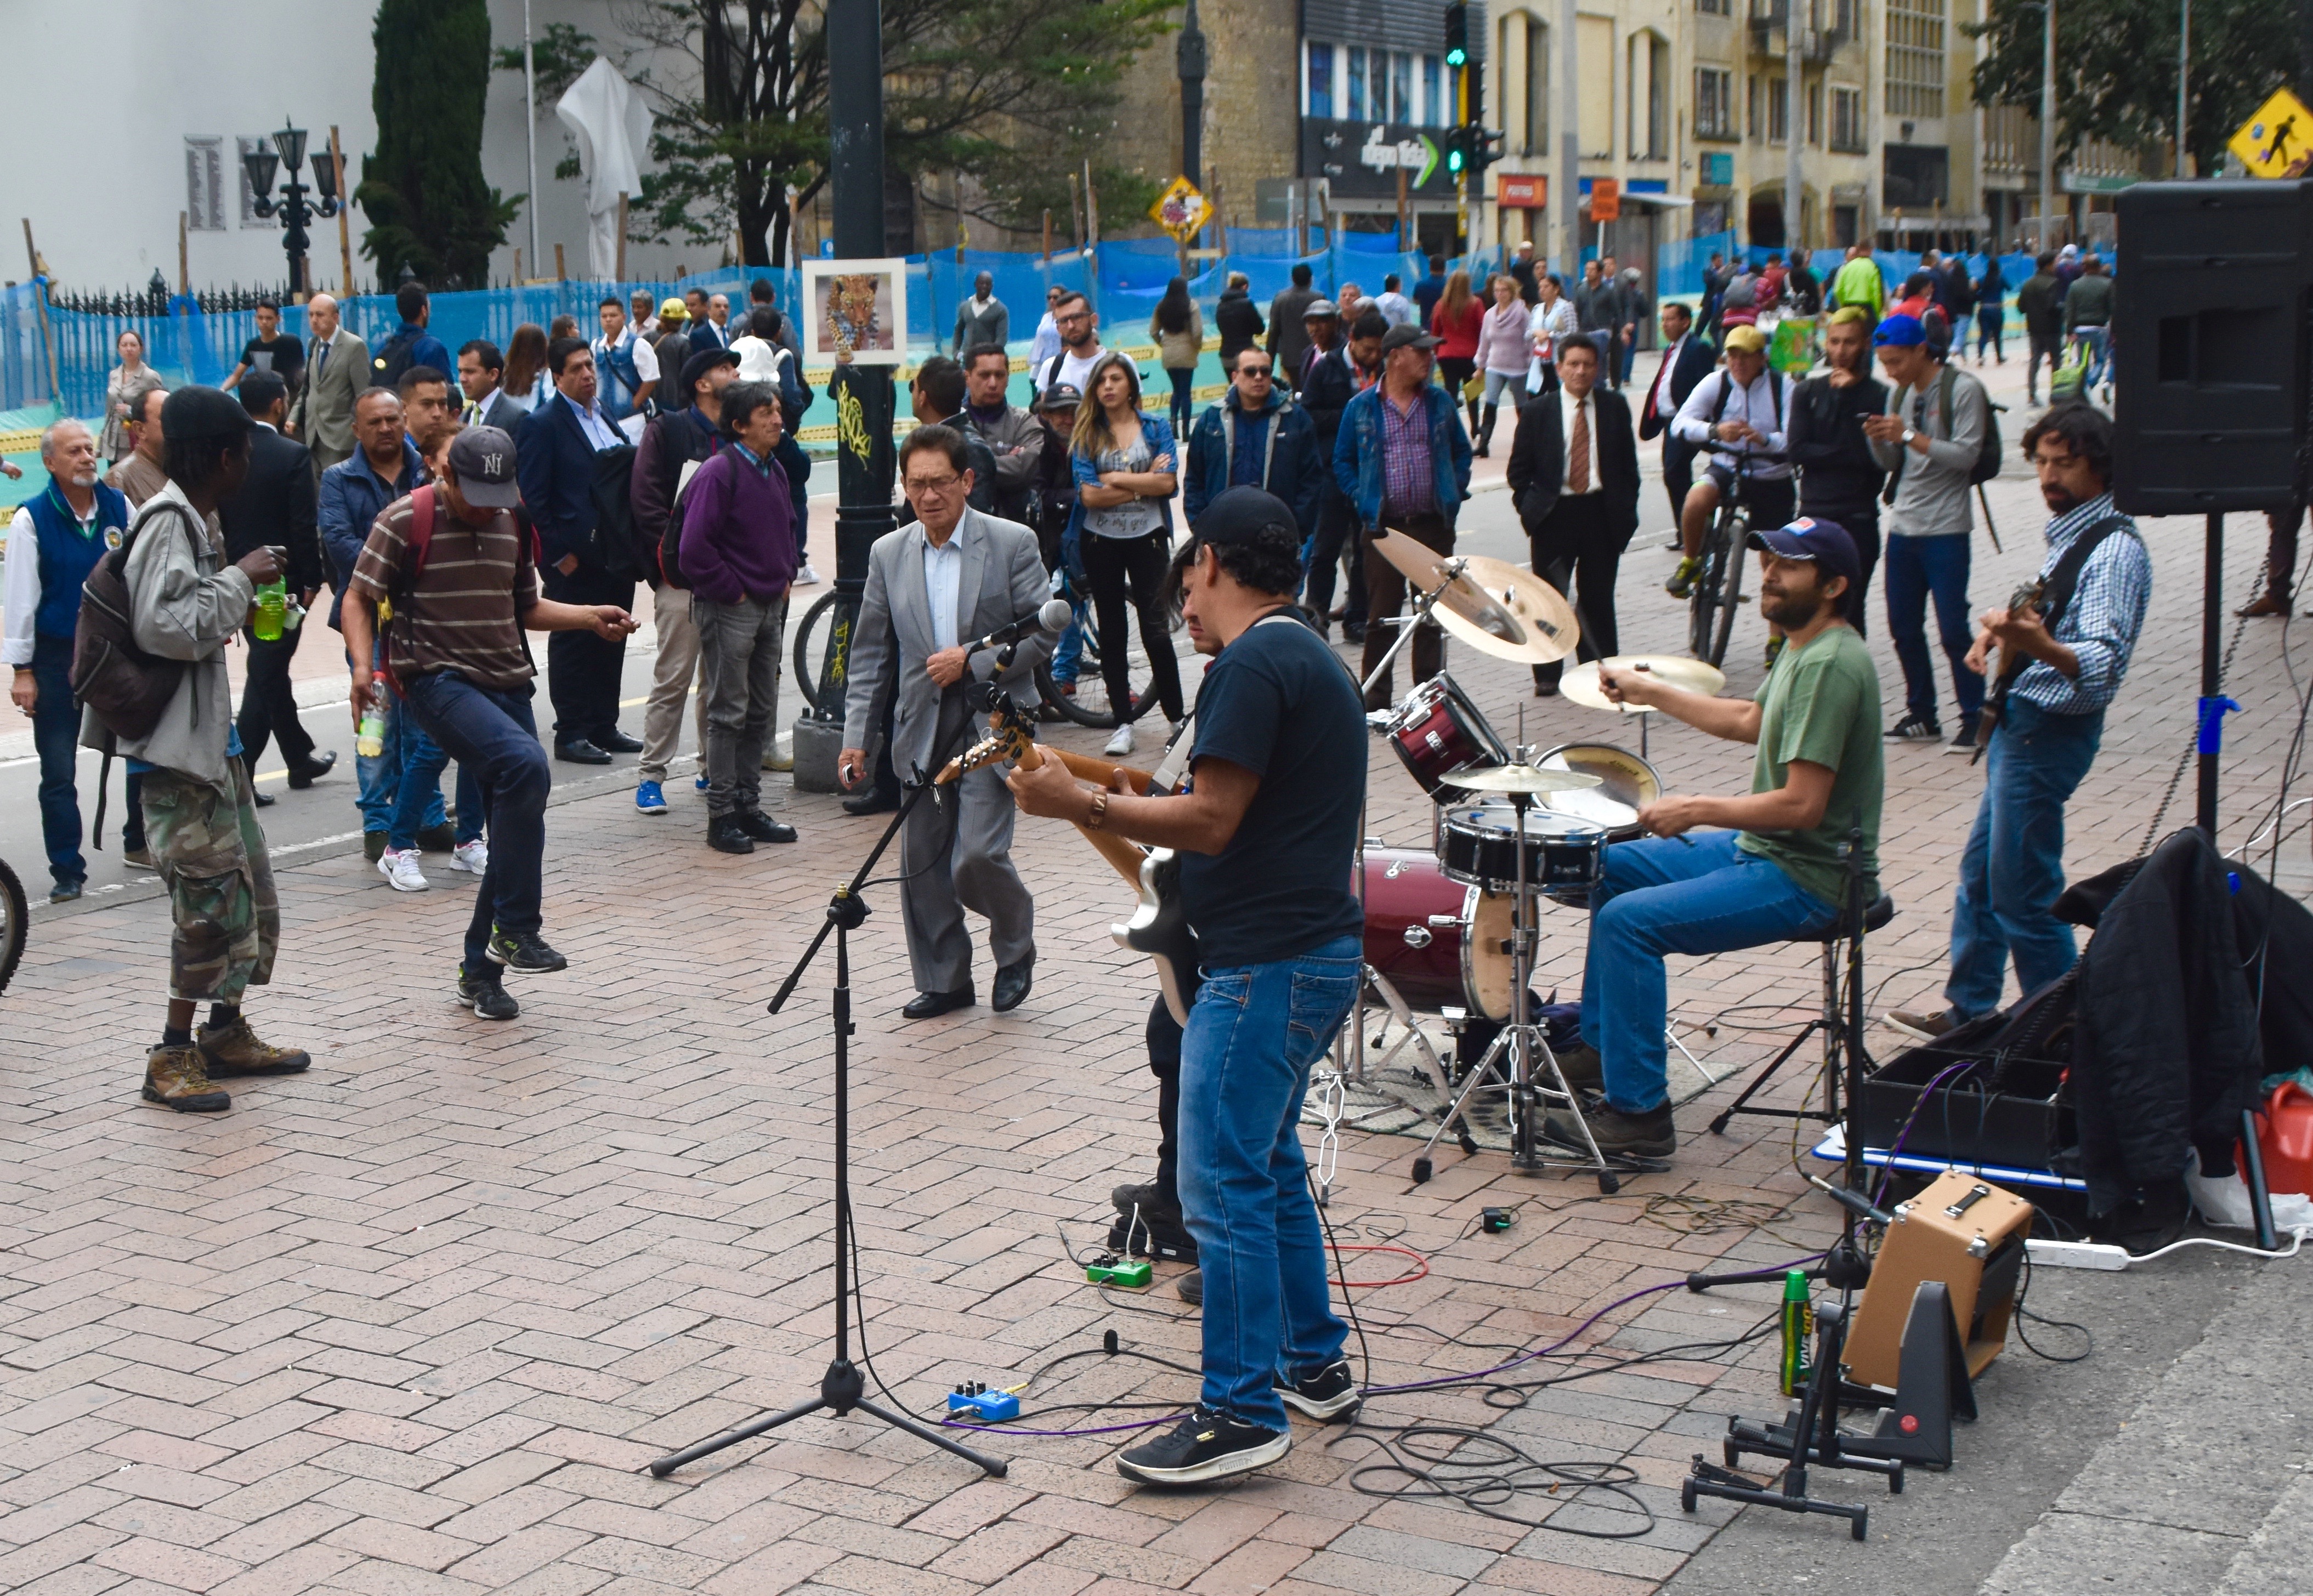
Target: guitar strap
pixel 2063 579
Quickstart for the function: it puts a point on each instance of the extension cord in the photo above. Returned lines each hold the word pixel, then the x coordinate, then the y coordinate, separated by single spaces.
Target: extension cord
pixel 2104 1254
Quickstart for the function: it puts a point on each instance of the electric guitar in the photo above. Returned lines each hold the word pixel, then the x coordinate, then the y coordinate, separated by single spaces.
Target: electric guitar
pixel 2012 662
pixel 1159 926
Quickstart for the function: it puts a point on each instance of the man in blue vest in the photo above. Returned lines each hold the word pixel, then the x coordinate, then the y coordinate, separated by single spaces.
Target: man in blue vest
pixel 627 365
pixel 53 544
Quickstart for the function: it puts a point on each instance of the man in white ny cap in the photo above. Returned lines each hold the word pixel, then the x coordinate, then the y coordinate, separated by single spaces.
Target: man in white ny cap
pixel 457 568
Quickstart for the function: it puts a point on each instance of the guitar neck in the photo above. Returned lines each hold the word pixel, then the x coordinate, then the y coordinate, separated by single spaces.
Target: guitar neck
pixel 1126 858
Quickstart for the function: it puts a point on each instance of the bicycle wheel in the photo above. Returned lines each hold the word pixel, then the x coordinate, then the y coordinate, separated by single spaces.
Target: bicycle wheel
pixel 1730 591
pixel 1702 608
pixel 15 917
pixel 1088 705
pixel 811 647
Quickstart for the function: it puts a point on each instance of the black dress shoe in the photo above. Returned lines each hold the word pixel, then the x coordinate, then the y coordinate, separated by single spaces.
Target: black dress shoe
pixel 760 826
pixel 726 835
pixel 875 801
pixel 579 752
pixel 1012 983
pixel 263 800
pixel 928 1005
pixel 312 770
pixel 617 742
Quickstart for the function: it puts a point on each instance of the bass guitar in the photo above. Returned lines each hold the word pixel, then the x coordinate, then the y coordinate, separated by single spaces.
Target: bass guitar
pixel 1159 924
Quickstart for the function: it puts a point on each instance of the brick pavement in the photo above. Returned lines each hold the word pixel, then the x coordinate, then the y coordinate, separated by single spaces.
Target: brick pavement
pixel 414 1321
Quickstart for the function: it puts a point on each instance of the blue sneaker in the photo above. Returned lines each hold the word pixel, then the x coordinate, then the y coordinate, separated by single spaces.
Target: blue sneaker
pixel 700 783
pixel 649 799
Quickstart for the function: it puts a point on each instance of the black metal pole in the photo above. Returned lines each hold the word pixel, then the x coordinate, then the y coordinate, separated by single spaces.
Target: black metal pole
pixel 1188 57
pixel 863 394
pixel 2212 721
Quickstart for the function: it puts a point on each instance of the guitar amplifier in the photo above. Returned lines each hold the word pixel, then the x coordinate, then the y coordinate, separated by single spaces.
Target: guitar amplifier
pixel 1969 1234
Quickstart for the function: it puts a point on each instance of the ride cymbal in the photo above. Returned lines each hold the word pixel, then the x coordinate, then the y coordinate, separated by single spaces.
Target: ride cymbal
pixel 1579 683
pixel 1520 778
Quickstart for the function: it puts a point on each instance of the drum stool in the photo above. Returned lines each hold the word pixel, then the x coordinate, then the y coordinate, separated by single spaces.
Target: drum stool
pixel 1841 943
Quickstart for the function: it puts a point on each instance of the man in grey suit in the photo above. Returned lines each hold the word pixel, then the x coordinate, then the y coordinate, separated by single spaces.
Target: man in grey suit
pixel 336 368
pixel 954 575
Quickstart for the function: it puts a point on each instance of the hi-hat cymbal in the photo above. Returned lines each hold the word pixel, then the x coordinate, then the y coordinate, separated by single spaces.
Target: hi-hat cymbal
pixel 1495 607
pixel 1519 778
pixel 1579 683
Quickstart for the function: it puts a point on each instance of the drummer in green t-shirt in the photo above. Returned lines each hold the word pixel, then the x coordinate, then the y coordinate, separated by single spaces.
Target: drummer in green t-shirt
pixel 1777 873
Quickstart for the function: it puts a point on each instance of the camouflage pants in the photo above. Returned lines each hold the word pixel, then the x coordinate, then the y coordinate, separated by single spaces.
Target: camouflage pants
pixel 209 850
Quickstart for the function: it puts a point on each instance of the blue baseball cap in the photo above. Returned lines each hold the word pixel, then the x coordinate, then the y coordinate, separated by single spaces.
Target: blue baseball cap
pixel 1901 331
pixel 1824 542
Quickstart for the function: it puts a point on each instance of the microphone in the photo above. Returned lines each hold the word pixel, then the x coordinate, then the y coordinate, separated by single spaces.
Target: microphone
pixel 1052 615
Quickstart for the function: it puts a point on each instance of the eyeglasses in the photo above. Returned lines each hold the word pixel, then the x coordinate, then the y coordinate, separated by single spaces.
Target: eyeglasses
pixel 932 485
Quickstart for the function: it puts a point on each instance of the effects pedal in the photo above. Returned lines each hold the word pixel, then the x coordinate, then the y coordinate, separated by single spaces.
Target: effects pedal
pixel 1495 1221
pixel 1110 1271
pixel 975 1399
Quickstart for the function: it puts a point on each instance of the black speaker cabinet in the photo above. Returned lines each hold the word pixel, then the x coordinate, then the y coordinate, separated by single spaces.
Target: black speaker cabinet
pixel 2213 289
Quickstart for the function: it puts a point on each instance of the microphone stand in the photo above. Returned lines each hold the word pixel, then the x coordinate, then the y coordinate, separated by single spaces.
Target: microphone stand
pixel 843 1387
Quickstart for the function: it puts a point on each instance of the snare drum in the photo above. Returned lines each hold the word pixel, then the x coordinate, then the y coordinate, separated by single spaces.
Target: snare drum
pixel 1565 854
pixel 1441 944
pixel 1437 730
pixel 1627 783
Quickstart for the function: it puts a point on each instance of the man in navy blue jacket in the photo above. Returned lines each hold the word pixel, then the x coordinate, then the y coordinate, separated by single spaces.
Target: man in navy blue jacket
pixel 554 456
pixel 1256 435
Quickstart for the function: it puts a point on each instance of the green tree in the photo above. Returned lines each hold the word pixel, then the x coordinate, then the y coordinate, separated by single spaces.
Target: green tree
pixel 422 189
pixel 2117 68
pixel 1012 92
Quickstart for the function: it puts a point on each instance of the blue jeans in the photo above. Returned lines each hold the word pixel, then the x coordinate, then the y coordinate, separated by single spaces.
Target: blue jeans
pixel 1251 1037
pixel 2012 869
pixel 2099 342
pixel 417 801
pixel 55 738
pixel 1662 896
pixel 1914 568
pixel 493 735
pixel 378 776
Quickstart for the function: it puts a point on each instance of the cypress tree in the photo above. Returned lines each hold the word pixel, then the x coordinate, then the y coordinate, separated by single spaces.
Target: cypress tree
pixel 422 189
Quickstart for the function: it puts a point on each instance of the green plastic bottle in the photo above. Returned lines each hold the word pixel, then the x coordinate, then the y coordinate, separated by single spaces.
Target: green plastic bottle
pixel 1798 1331
pixel 272 605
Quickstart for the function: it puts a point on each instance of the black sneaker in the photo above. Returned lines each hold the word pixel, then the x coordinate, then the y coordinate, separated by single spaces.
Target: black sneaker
pixel 1325 1396
pixel 1962 741
pixel 1190 1288
pixel 1915 728
pixel 1205 1445
pixel 524 951
pixel 487 996
pixel 761 828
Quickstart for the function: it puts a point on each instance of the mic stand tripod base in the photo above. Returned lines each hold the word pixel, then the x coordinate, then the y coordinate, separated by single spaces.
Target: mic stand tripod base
pixel 840 1389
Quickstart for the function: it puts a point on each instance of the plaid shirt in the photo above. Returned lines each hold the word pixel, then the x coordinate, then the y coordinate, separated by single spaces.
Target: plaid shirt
pixel 1408 488
pixel 2101 624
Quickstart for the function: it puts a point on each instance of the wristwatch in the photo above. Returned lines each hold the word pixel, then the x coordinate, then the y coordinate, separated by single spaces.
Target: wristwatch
pixel 1908 435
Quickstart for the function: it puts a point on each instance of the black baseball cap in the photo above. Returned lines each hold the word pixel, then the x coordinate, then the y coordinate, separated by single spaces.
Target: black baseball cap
pixel 702 362
pixel 202 413
pixel 1809 538
pixel 1060 396
pixel 481 458
pixel 1405 333
pixel 1242 513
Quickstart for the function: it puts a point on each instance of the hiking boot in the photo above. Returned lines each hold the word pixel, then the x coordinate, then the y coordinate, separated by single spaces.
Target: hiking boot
pixel 1325 1396
pixel 173 1076
pixel 1582 1067
pixel 1681 584
pixel 136 854
pixel 725 834
pixel 1916 728
pixel 524 951
pixel 487 996
pixel 1649 1134
pixel 1190 1288
pixel 1205 1445
pixel 234 1050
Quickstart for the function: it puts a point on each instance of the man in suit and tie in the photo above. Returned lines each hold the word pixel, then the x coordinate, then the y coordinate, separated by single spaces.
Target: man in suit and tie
pixel 1688 359
pixel 481 371
pixel 555 452
pixel 953 575
pixel 336 369
pixel 275 505
pixel 1574 477
pixel 714 332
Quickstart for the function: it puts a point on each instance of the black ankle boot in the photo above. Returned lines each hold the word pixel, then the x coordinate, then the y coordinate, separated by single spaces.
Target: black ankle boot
pixel 1486 431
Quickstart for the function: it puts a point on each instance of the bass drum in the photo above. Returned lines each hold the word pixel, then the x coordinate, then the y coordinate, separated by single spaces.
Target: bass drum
pixel 1626 782
pixel 1443 945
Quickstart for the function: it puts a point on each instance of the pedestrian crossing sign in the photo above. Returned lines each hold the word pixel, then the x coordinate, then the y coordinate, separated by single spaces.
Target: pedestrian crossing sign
pixel 2278 141
pixel 1181 210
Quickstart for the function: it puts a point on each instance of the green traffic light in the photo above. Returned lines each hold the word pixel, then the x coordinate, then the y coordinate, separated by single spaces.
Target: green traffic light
pixel 1454 160
pixel 1457 57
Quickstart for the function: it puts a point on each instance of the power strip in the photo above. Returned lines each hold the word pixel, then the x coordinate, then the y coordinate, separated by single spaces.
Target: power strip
pixel 2076 1255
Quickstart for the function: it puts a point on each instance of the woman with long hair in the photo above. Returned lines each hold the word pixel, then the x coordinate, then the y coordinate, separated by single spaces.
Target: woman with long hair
pixel 124 392
pixel 1126 472
pixel 525 381
pixel 1991 310
pixel 1179 332
pixel 1456 322
pixel 1549 324
pixel 1503 351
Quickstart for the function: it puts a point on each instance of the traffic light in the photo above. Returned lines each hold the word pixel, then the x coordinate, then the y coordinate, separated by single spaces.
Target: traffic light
pixel 1458 150
pixel 1457 36
pixel 1485 147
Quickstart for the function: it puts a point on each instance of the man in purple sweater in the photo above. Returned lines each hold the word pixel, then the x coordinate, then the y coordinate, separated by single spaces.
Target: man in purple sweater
pixel 738 554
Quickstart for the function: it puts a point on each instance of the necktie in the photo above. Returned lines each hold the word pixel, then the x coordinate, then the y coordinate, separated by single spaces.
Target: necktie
pixel 1578 449
pixel 320 358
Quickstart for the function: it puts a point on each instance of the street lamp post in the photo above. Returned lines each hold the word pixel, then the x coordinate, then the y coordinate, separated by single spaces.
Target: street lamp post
pixel 2047 122
pixel 1188 57
pixel 291 208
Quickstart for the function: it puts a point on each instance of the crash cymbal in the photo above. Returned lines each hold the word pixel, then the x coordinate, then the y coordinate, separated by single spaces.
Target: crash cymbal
pixel 1547 630
pixel 1579 683
pixel 1520 778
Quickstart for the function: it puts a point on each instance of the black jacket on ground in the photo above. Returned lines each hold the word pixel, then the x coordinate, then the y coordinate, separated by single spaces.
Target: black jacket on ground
pixel 276 505
pixel 2167 1053
pixel 1537 463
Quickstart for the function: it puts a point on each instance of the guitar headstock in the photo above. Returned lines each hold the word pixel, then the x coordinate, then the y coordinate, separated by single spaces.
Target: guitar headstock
pixel 1010 736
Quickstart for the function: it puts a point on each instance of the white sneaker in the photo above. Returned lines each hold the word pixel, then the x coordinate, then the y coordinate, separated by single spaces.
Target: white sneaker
pixel 806 578
pixel 398 866
pixel 1121 744
pixel 473 857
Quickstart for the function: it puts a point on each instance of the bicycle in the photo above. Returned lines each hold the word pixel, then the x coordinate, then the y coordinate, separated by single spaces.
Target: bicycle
pixel 1719 583
pixel 15 915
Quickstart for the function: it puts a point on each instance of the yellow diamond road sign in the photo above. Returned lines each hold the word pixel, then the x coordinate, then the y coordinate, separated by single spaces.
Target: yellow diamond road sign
pixel 2278 141
pixel 1181 210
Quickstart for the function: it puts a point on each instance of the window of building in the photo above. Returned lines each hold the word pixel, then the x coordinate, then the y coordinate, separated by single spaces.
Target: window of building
pixel 1916 57
pixel 1321 80
pixel 1377 99
pixel 1847 119
pixel 1714 102
pixel 1770 110
pixel 1720 8
pixel 1650 111
pixel 1536 120
pixel 1401 87
pixel 1356 111
pixel 1815 114
pixel 205 184
pixel 1433 98
pixel 1844 18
